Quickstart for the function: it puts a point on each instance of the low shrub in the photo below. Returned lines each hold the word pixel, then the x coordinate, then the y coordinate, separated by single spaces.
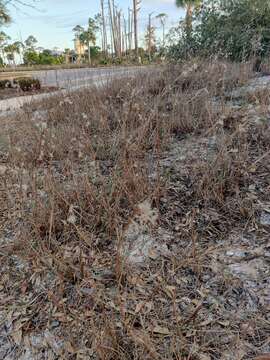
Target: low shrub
pixel 25 84
pixel 28 84
pixel 4 84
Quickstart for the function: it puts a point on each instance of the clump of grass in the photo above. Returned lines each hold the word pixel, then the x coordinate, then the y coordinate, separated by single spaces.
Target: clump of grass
pixel 79 165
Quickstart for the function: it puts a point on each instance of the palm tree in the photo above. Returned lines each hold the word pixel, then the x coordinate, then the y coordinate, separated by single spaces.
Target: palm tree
pixel 4 16
pixel 85 38
pixel 18 47
pixel 10 51
pixel 162 18
pixel 89 36
pixel 3 42
pixel 3 37
pixel 188 5
pixel 78 30
pixel 31 42
pixel 150 40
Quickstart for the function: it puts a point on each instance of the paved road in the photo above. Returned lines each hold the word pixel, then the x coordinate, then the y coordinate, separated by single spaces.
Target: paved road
pixel 69 78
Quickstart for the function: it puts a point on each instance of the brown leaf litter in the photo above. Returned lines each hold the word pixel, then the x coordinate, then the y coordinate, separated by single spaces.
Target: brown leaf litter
pixel 129 236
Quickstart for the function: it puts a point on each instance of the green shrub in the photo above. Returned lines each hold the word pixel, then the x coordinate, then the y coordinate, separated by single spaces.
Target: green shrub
pixel 237 30
pixel 117 61
pixel 31 57
pixel 4 84
pixel 28 84
pixel 103 61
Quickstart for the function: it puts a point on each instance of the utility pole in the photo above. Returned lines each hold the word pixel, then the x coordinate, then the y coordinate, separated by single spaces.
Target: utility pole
pixel 136 9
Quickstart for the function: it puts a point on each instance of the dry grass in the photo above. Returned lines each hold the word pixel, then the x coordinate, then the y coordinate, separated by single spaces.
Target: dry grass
pixel 73 177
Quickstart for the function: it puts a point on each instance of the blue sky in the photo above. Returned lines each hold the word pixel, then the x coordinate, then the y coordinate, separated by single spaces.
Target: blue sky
pixel 53 20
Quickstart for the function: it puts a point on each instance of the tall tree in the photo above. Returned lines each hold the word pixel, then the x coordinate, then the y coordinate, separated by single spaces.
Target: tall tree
pixel 5 4
pixel 78 29
pixel 11 50
pixel 3 42
pixel 130 29
pixel 3 37
pixel 189 6
pixel 150 40
pixel 104 28
pixel 89 37
pixel 115 23
pixel 136 9
pixel 19 48
pixel 4 15
pixel 162 17
pixel 99 25
pixel 31 42
pixel 150 35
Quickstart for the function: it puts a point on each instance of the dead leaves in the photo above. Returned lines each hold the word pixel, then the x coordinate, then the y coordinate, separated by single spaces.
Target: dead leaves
pixel 146 214
pixel 143 306
pixel 176 289
pixel 3 170
pixel 142 338
pixel 170 291
pixel 263 357
pixel 17 336
pixel 160 330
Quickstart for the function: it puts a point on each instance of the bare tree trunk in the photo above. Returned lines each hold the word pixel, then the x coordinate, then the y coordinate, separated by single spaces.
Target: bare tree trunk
pixel 104 41
pixel 130 27
pixel 125 36
pixel 150 36
pixel 89 54
pixel 112 23
pixel 135 17
pixel 112 42
pixel 189 19
pixel 163 28
pixel 102 30
pixel 119 34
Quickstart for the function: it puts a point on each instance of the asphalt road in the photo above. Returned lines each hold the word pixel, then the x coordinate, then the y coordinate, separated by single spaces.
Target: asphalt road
pixel 70 78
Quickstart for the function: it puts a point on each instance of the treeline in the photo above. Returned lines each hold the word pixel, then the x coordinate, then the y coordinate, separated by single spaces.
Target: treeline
pixel 119 35
pixel 111 36
pixel 232 29
pixel 27 52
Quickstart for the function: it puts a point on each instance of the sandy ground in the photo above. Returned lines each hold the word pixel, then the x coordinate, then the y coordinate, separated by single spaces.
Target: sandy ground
pixel 223 303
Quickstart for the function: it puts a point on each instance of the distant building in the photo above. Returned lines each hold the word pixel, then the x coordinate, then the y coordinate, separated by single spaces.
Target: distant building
pixel 79 48
pixel 70 57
